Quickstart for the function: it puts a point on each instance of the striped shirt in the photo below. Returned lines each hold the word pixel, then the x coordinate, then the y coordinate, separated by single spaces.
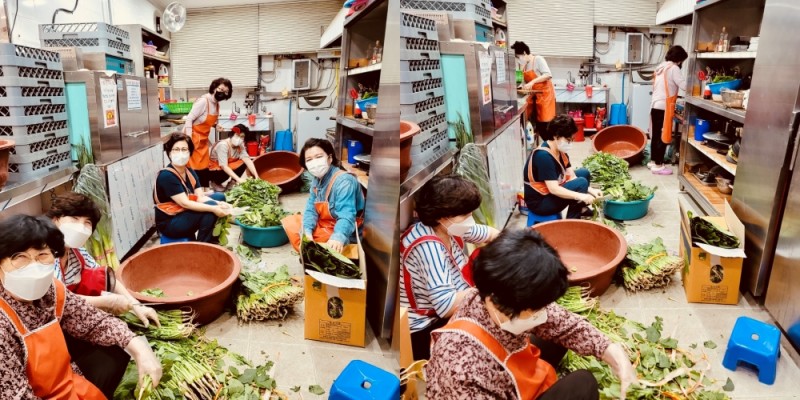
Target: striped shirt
pixel 74 267
pixel 435 280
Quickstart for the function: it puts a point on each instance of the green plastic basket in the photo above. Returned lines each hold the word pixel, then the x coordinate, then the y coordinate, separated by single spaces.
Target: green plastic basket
pixel 627 211
pixel 178 108
pixel 273 236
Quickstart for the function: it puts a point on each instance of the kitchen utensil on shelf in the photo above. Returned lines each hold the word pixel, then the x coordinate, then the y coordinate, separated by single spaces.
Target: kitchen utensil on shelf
pixel 717 137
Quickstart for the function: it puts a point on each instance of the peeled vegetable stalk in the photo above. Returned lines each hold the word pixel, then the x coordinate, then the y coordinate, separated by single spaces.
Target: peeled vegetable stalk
pixel 267 295
pixel 100 245
pixel 665 371
pixel 648 266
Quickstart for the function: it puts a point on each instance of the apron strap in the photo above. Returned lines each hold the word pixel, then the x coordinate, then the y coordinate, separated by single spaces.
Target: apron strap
pixel 479 333
pixel 407 277
pixel 561 163
pixel 61 296
pixel 192 181
pixel 6 309
pixel 330 185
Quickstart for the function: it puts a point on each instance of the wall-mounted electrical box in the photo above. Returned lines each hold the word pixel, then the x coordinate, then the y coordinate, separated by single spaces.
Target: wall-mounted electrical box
pixel 634 48
pixel 602 34
pixel 301 74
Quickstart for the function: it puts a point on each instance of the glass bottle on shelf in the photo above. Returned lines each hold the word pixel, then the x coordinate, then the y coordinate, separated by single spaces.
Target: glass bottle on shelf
pixel 723 40
pixel 377 53
pixel 368 56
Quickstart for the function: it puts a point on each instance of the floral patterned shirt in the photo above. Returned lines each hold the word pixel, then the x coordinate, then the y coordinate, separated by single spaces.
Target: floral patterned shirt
pixel 461 369
pixel 80 320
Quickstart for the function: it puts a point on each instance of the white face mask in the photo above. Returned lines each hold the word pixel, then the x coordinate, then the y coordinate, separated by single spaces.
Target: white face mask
pixel 564 146
pixel 460 228
pixel 75 234
pixel 180 159
pixel 518 326
pixel 29 283
pixel 318 167
pixel 236 141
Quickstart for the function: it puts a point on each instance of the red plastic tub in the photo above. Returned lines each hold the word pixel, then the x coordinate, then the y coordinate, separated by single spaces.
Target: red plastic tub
pixel 579 136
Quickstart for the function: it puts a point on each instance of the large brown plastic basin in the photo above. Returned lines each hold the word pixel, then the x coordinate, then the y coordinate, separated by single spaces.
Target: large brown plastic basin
pixel 407 132
pixel 280 168
pixel 624 141
pixel 205 271
pixel 5 150
pixel 590 250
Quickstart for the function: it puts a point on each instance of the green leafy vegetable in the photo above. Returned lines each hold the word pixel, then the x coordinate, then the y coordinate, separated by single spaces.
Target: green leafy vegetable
pixel 264 216
pixel 709 344
pixel 628 190
pixel 472 166
pixel 607 169
pixel 324 259
pixel 316 389
pixel 253 193
pixel 175 324
pixel 153 292
pixel 221 229
pixel 648 266
pixel 722 78
pixel 462 133
pixel 705 231
pixel 729 386
pixel 267 295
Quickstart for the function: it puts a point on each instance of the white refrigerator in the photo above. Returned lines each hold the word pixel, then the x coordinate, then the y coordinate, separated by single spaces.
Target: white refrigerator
pixel 640 105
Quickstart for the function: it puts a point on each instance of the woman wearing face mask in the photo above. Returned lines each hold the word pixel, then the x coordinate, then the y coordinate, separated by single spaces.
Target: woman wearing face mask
pixel 335 204
pixel 551 184
pixel 518 278
pixel 662 106
pixel 37 311
pixel 200 121
pixel 182 208
pixel 229 159
pixel 541 107
pixel 432 256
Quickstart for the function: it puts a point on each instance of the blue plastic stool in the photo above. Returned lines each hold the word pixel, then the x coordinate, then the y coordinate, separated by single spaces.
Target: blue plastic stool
pixel 756 343
pixel 534 218
pixel 360 380
pixel 167 240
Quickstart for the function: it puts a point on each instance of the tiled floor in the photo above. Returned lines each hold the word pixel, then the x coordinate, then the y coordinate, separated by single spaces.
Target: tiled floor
pixel 687 322
pixel 298 362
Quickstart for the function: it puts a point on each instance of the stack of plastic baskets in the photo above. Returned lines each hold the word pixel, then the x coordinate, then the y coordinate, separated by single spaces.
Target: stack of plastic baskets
pixel 33 111
pixel 91 37
pixel 422 88
pixel 474 15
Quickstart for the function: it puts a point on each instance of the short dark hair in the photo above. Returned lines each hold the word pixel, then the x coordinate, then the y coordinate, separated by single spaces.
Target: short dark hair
pixel 562 126
pixel 323 144
pixel 519 271
pixel 22 232
pixel 445 197
pixel 72 204
pixel 521 48
pixel 176 137
pixel 221 81
pixel 239 128
pixel 676 54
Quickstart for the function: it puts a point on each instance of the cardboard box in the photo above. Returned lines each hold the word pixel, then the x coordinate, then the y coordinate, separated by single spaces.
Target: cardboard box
pixel 712 274
pixel 336 308
pixel 406 354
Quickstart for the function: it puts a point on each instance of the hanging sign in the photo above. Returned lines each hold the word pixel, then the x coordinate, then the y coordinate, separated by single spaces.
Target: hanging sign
pixel 134 94
pixel 486 76
pixel 108 99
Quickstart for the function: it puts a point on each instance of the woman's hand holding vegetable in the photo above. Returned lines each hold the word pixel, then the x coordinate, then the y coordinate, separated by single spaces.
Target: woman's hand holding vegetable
pixel 146 314
pixel 616 357
pixel 113 303
pixel 222 210
pixel 597 193
pixel 146 361
pixel 585 198
pixel 336 245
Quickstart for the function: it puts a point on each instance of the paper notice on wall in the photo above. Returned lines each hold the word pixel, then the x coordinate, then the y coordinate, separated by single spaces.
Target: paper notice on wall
pixel 134 94
pixel 108 98
pixel 500 60
pixel 486 76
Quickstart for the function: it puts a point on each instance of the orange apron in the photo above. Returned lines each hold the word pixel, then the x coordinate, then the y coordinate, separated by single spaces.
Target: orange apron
pixel 541 187
pixel 233 162
pixel 545 100
pixel 200 132
pixel 48 362
pixel 531 376
pixel 170 207
pixel 669 109
pixel 293 224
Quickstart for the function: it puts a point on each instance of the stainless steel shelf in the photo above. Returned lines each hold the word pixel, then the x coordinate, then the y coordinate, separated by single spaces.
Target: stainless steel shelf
pixel 499 23
pixel 713 156
pixel 16 192
pixel 697 196
pixel 729 55
pixel 155 57
pixel 364 70
pixel 717 108
pixel 420 174
pixel 707 3
pixel 354 125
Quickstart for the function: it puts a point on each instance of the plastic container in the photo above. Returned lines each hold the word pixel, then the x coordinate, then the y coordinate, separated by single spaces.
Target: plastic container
pixel 5 148
pixel 579 136
pixel 624 141
pixel 732 85
pixel 627 210
pixel 701 127
pixel 589 121
pixel 149 49
pixel 178 108
pixel 407 132
pixel 354 148
pixel 362 104
pixel 273 236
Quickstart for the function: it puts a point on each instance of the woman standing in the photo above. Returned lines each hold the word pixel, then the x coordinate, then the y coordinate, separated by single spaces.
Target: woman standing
pixel 200 121
pixel 36 311
pixel 182 208
pixel 335 204
pixel 536 74
pixel 551 184
pixel 432 257
pixel 668 80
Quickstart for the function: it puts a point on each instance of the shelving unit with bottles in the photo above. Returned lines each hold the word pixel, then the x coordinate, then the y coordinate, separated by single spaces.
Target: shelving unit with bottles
pixel 741 18
pixel 146 61
pixel 500 23
pixel 360 67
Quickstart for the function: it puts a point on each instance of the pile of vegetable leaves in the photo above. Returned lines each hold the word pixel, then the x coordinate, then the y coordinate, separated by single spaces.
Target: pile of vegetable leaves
pixel 265 209
pixel 472 166
pixel 707 232
pixel 648 266
pixel 629 191
pixel 153 292
pixel 253 193
pixel 175 325
pixel 611 173
pixel 264 216
pixel 665 371
pixel 267 295
pixel 324 259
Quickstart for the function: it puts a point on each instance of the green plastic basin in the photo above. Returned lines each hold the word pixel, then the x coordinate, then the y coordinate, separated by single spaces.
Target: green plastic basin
pixel 627 210
pixel 273 236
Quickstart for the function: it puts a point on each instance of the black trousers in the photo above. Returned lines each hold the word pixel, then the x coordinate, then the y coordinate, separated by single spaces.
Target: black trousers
pixel 421 340
pixel 657 147
pixel 102 366
pixel 579 385
pixel 221 176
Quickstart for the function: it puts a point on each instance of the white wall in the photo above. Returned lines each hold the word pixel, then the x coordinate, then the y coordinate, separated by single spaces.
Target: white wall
pixel 31 13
